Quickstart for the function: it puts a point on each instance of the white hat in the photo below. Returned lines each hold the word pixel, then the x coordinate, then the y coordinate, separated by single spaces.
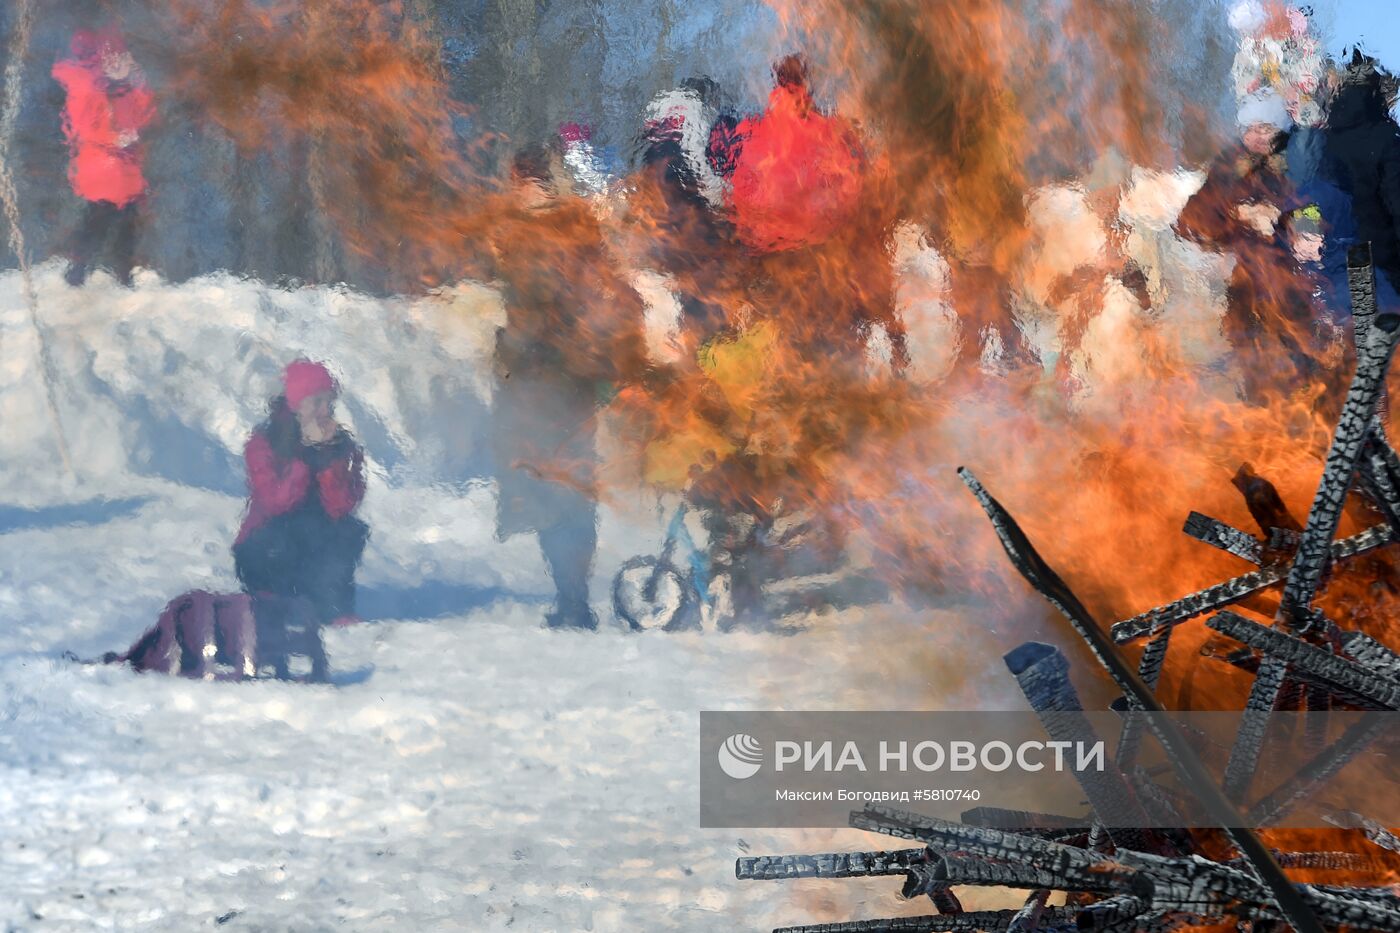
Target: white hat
pixel 1247 16
pixel 1265 107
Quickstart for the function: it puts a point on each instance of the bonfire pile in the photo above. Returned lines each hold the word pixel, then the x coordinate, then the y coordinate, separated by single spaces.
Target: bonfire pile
pixel 1155 879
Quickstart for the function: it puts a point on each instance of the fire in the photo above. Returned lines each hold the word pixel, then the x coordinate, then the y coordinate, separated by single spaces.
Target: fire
pixel 354 90
pixel 1032 168
pixel 1036 167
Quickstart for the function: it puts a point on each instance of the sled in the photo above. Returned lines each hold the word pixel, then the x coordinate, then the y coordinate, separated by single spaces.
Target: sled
pixel 230 636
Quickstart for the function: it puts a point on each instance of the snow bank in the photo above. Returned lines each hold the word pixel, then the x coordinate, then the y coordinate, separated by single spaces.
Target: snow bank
pixel 158 387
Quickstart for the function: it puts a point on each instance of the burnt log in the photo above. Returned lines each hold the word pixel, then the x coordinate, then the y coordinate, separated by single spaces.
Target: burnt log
pixel 1183 757
pixel 1053 920
pixel 829 865
pixel 1227 538
pixel 1220 595
pixel 1348 679
pixel 1027 919
pixel 1354 427
pixel 1350 819
pixel 1042 671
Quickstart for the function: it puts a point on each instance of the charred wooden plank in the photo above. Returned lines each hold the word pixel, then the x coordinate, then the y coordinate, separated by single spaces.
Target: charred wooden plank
pixel 1171 884
pixel 1042 671
pixel 992 873
pixel 1350 819
pixel 1047 582
pixel 1165 886
pixel 1053 920
pixel 1223 594
pixel 915 864
pixel 1334 861
pixel 1380 485
pixel 1366 651
pixel 829 865
pixel 1361 289
pixel 1375 909
pixel 1339 469
pixel 1346 676
pixel 1182 755
pixel 1112 913
pixel 1318 700
pixel 1076 869
pixel 1254 725
pixel 1372 830
pixel 1199 887
pixel 1382 453
pixel 1150 670
pixel 1150 664
pixel 1027 919
pixel 1318 771
pixel 944 900
pixel 921 880
pixel 1227 538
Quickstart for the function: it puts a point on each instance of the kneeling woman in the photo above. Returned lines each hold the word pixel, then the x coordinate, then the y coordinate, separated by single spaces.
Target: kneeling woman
pixel 305 480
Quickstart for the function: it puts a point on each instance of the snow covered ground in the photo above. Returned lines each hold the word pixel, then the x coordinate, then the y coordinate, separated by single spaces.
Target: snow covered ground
pixel 487 775
pixel 469 770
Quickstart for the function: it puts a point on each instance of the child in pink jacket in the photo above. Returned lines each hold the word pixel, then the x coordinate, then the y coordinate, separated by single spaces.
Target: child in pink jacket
pixel 305 479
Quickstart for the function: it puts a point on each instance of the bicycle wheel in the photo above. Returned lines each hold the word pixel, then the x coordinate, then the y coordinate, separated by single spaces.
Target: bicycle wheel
pixel 649 594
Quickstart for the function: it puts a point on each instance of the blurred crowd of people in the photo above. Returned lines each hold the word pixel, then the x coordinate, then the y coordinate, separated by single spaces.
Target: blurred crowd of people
pixel 1315 171
pixel 780 208
pixel 742 226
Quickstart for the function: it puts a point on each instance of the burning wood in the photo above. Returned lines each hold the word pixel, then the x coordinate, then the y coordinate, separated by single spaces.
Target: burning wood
pixel 1043 674
pixel 1139 696
pixel 1379 476
pixel 1232 591
pixel 1217 534
pixel 831 865
pixel 1051 920
pixel 1375 346
pixel 1304 654
pixel 1366 651
pixel 1355 682
pixel 1137 891
pixel 1373 830
pixel 1029 917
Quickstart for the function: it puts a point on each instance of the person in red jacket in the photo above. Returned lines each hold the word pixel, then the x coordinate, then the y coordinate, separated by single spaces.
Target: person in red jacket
pixel 107 106
pixel 799 174
pixel 812 207
pixel 306 477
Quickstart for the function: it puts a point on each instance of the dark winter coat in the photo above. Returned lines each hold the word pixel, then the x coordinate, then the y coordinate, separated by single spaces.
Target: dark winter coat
pixel 1362 157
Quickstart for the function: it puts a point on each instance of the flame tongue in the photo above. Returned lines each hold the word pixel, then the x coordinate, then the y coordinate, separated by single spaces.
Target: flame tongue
pixel 889 237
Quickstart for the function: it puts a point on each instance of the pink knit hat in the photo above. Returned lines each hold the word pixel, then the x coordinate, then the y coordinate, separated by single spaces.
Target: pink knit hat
pixel 305 378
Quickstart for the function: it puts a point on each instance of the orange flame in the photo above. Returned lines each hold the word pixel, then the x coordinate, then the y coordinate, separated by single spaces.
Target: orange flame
pixel 1036 160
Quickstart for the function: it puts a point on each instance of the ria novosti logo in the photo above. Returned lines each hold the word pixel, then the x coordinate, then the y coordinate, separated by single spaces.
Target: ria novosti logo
pixel 740 756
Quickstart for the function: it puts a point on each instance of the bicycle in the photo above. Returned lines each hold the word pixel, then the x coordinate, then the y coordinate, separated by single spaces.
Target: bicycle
pixel 662 591
pixel 726 583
